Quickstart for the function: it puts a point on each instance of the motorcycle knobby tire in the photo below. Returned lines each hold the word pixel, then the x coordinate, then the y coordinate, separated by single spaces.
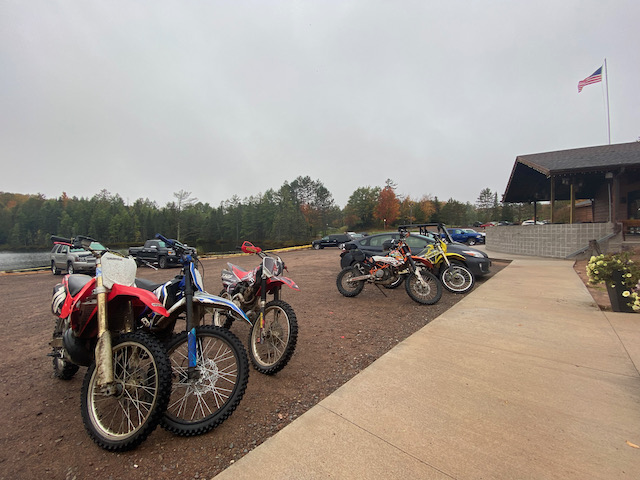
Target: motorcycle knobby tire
pixel 199 404
pixel 427 293
pixel 271 351
pixel 347 287
pixel 142 377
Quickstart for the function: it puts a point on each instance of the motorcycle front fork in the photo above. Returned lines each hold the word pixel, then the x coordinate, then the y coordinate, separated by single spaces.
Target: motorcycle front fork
pixel 104 349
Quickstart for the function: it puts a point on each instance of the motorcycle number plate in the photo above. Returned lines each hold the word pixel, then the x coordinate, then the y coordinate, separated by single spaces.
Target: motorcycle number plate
pixel 118 270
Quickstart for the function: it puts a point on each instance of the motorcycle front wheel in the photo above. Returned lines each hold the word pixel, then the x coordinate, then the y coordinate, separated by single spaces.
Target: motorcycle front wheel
pixel 425 289
pixel 346 286
pixel 200 404
pixel 123 418
pixel 457 278
pixel 271 347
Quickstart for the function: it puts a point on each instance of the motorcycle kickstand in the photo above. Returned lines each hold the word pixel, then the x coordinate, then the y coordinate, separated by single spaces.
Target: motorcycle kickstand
pixel 381 290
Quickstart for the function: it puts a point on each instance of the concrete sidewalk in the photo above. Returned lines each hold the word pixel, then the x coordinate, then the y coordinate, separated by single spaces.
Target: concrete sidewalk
pixel 525 378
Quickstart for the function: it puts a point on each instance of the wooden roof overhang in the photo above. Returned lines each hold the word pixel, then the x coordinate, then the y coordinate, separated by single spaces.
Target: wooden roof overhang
pixel 585 168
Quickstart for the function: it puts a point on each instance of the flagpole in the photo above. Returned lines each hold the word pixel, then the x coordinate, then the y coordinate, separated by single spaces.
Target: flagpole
pixel 606 79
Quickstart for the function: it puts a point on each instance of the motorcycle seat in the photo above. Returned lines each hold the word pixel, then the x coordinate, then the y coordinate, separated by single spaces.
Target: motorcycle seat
pixel 77 281
pixel 147 284
pixel 242 274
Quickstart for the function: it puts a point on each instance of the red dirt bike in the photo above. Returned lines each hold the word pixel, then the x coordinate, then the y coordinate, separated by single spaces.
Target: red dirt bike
pixel 421 285
pixel 126 389
pixel 274 330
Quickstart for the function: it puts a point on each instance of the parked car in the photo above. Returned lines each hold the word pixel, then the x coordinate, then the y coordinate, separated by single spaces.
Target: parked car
pixel 482 234
pixel 475 260
pixel 532 222
pixel 465 235
pixel 64 256
pixel 337 240
pixel 155 251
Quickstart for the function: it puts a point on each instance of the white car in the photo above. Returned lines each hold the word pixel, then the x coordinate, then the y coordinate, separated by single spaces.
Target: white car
pixel 532 222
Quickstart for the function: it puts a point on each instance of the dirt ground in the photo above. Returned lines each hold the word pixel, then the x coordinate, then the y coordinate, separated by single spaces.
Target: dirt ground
pixel 41 431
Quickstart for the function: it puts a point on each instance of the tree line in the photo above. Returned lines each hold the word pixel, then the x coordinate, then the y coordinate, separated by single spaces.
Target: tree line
pixel 294 214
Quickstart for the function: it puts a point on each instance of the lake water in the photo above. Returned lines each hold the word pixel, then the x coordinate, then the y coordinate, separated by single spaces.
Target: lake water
pixel 22 260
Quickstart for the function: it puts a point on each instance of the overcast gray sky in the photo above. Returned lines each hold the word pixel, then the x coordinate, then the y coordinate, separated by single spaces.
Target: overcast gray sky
pixel 147 98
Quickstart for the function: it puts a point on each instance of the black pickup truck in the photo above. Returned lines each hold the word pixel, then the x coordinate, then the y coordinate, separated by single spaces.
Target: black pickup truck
pixel 155 252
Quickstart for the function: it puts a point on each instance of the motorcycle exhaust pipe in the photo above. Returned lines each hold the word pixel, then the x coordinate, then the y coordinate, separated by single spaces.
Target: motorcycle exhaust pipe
pixel 361 277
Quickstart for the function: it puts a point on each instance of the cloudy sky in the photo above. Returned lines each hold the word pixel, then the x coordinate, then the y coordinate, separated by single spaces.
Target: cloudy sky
pixel 218 98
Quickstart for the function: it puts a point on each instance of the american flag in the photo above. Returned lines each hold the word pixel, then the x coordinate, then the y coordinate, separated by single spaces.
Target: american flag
pixel 595 77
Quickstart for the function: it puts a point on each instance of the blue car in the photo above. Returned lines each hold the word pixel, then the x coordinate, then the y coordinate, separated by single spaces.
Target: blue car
pixel 465 235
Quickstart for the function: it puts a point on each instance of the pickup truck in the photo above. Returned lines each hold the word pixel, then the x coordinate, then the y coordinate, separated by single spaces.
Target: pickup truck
pixel 155 252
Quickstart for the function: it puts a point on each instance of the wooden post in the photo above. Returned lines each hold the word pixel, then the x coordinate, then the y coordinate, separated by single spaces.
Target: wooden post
pixel 553 199
pixel 572 215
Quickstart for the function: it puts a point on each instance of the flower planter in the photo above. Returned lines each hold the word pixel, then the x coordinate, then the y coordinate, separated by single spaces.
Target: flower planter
pixel 618 302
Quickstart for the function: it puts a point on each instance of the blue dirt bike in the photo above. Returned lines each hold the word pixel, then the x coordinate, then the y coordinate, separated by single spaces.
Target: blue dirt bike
pixel 209 364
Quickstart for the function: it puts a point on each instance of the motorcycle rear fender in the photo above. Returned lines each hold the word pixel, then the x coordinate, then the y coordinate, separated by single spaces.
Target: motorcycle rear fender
pixel 208 299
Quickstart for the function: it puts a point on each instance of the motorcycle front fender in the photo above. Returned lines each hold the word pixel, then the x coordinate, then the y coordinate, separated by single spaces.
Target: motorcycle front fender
pixel 141 298
pixel 282 280
pixel 422 261
pixel 207 299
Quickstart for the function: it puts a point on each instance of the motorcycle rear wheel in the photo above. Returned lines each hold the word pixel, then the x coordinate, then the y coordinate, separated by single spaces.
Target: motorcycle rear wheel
pixel 200 404
pixel 426 293
pixel 62 368
pixel 271 351
pixel 457 278
pixel 142 376
pixel 346 286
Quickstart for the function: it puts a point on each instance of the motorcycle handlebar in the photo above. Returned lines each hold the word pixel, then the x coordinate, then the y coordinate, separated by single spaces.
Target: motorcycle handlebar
pixel 81 241
pixel 159 236
pixel 56 239
pixel 174 243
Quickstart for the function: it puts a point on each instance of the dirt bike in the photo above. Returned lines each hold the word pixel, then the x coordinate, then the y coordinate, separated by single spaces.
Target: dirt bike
pixel 126 387
pixel 453 274
pixel 448 267
pixel 209 364
pixel 397 265
pixel 274 330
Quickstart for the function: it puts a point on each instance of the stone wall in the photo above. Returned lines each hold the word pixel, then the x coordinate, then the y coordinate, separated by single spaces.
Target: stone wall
pixel 557 240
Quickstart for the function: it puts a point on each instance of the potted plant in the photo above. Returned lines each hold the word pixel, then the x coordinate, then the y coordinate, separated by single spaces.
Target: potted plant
pixel 620 275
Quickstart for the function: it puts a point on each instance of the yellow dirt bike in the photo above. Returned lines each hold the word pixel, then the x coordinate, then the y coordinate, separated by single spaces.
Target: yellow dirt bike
pixel 447 266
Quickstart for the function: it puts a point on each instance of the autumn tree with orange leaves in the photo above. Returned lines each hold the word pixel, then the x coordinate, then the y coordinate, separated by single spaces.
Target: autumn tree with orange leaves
pixel 388 206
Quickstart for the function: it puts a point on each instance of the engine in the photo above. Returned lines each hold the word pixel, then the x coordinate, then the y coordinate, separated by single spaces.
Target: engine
pixel 383 275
